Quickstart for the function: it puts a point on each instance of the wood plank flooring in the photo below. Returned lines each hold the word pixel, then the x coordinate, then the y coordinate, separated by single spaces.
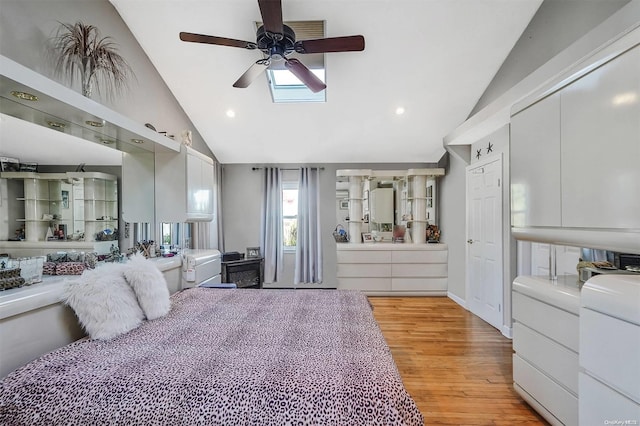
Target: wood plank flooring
pixel 455 366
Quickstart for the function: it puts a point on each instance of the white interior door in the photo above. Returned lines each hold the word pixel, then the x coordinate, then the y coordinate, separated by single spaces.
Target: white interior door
pixel 484 241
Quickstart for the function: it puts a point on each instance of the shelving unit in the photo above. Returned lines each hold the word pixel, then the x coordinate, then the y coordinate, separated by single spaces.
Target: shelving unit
pixel 100 205
pixel 89 205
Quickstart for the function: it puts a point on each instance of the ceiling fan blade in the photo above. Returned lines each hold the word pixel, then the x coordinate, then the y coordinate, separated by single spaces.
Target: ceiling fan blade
pixel 251 74
pixel 333 44
pixel 271 11
pixel 221 41
pixel 305 75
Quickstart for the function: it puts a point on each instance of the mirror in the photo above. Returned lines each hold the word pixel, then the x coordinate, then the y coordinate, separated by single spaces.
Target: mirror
pixel 381 206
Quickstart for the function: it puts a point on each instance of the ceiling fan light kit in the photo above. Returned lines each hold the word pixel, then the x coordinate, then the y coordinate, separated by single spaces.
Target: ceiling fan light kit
pixel 277 41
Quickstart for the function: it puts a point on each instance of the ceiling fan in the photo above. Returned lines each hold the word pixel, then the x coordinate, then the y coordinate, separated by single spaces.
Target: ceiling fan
pixel 277 40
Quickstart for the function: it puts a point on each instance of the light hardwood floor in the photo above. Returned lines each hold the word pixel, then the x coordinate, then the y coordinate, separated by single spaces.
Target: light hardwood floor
pixel 455 366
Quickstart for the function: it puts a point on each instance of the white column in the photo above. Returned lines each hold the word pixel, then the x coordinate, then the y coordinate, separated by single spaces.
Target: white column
pixel 419 207
pixel 355 209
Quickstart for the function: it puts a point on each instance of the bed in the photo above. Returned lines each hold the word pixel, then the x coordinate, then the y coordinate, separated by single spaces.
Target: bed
pixel 223 357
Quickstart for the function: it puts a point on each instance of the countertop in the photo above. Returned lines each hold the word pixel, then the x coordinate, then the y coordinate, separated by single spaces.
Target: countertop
pixel 563 293
pixel 391 246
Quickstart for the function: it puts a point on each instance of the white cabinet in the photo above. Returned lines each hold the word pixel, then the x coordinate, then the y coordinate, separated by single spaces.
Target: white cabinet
pixel 601 146
pixel 535 164
pixel 394 269
pixel 546 343
pixel 575 156
pixel 610 349
pixel 138 193
pixel 183 186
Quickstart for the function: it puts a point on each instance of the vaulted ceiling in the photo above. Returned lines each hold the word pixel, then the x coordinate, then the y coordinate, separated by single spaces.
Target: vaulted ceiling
pixel 434 58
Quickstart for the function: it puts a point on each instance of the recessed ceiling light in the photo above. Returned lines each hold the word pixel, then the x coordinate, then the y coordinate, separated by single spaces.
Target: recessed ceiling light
pixel 399 110
pixel 24 96
pixel 107 141
pixel 138 141
pixel 95 123
pixel 55 124
pixel 231 113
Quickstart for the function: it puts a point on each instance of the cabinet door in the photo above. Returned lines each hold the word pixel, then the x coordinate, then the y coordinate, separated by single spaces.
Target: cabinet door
pixel 138 193
pixel 199 187
pixel 194 184
pixel 601 146
pixel 535 164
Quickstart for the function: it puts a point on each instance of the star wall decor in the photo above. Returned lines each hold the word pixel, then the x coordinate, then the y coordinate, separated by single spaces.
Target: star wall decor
pixel 490 148
pixel 479 153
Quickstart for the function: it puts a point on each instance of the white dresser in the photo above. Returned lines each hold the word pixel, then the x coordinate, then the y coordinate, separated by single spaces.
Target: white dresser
pixel 393 269
pixel 610 350
pixel 546 343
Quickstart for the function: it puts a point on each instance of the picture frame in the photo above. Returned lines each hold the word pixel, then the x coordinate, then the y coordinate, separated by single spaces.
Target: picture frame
pixel 65 199
pixel 344 204
pixel 253 252
pixel 367 237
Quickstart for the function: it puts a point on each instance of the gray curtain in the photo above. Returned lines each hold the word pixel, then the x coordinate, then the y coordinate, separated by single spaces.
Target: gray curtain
pixel 271 225
pixel 309 242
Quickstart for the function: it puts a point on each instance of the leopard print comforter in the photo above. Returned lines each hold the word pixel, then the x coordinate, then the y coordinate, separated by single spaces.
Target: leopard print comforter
pixel 223 357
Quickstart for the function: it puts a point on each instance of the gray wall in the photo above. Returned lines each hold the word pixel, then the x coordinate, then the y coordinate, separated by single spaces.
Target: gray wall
pixel 556 25
pixel 27 25
pixel 242 197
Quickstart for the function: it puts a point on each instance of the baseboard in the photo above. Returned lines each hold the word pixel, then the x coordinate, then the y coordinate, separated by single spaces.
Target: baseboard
pixel 507 331
pixel 457 299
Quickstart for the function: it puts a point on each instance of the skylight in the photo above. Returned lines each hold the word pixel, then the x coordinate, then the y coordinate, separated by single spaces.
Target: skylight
pixel 285 87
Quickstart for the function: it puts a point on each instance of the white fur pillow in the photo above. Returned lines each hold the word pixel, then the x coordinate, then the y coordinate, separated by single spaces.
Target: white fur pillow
pixel 149 285
pixel 103 301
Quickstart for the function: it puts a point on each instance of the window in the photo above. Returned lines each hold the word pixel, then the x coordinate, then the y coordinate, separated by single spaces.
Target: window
pixel 289 215
pixel 285 87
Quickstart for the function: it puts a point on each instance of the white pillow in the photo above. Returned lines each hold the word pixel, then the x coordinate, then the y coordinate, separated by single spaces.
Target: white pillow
pixel 149 285
pixel 103 301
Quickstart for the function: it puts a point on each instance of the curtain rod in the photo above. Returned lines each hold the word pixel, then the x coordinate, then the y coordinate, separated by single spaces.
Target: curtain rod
pixel 261 168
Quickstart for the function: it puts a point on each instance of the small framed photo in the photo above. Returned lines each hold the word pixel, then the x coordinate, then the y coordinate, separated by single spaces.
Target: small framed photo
pixel 367 237
pixel 344 204
pixel 253 252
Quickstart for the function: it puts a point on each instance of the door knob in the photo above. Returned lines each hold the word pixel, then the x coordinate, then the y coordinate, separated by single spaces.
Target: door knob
pixel 470 241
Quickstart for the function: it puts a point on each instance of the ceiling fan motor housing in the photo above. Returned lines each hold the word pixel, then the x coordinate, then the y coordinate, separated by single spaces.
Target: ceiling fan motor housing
pixel 274 47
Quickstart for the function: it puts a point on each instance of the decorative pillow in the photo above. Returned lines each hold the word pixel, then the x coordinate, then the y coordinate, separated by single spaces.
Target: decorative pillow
pixel 103 301
pixel 149 285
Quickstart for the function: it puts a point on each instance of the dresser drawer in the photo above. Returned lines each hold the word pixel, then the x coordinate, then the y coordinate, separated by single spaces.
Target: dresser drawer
pixel 556 399
pixel 419 284
pixel 557 324
pixel 553 359
pixel 610 350
pixel 365 284
pixel 419 256
pixel 363 270
pixel 419 270
pixel 365 256
pixel 600 404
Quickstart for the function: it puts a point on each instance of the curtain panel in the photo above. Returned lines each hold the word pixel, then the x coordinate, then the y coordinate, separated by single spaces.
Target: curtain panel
pixel 308 267
pixel 271 225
